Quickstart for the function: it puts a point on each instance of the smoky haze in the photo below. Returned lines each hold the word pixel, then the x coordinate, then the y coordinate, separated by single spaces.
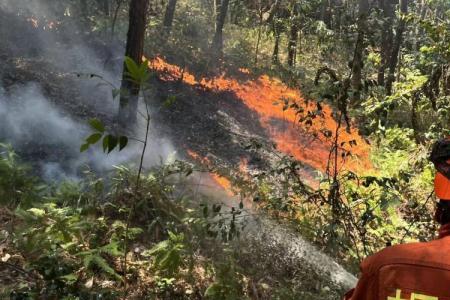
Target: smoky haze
pixel 39 116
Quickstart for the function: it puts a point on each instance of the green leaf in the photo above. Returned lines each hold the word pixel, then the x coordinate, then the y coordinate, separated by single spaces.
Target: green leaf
pixel 214 290
pixel 84 147
pixel 70 278
pixel 37 212
pixel 105 143
pixel 169 101
pixel 132 68
pixel 97 125
pixel 94 138
pixel 123 142
pixel 112 143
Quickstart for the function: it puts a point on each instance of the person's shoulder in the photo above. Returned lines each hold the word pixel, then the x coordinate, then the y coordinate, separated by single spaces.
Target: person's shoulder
pixel 397 253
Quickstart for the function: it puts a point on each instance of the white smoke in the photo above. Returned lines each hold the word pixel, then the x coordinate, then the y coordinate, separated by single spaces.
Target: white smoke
pixel 28 119
pixel 45 129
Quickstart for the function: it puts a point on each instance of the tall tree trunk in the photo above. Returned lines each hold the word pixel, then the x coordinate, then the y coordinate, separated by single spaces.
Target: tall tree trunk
pixel 116 13
pixel 387 7
pixel 393 59
pixel 357 63
pixel 260 26
pixel 338 8
pixel 422 11
pixel 293 36
pixel 103 5
pixel 134 50
pixel 276 46
pixel 326 15
pixel 168 16
pixel 221 14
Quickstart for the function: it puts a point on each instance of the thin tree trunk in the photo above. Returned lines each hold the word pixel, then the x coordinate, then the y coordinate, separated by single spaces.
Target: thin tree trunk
pixel 168 16
pixel 103 6
pixel 134 50
pixel 415 118
pixel 217 44
pixel 293 36
pixel 357 64
pixel 422 10
pixel 387 6
pixel 276 46
pixel 338 19
pixel 116 12
pixel 393 60
pixel 326 13
pixel 258 40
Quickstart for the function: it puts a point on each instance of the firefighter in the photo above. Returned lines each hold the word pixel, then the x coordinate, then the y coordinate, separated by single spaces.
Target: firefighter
pixel 417 271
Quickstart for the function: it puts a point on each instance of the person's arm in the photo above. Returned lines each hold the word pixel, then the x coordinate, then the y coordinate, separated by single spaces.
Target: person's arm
pixel 366 288
pixel 349 294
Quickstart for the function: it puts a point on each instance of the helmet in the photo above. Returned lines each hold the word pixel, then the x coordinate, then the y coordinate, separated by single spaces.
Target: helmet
pixel 440 156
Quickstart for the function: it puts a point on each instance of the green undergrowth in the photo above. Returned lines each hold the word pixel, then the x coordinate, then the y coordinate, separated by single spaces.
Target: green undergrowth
pixel 355 215
pixel 83 240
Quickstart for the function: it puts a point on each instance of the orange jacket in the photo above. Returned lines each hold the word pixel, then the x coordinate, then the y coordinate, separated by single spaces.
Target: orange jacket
pixel 417 271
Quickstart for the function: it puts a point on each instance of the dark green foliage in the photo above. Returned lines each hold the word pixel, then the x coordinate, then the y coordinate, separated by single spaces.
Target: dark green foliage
pixel 109 142
pixel 16 186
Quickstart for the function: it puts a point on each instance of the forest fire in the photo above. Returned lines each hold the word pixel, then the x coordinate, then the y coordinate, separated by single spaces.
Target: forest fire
pixel 221 181
pixel 307 145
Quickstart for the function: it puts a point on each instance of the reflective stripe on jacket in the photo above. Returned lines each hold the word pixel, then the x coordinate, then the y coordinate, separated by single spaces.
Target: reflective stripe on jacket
pixel 417 271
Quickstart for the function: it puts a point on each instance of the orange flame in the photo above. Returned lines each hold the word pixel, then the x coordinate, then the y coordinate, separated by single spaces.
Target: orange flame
pixel 221 181
pixel 34 22
pixel 47 24
pixel 307 145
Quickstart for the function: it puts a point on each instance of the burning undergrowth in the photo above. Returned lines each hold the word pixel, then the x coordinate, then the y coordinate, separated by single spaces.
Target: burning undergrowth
pixel 223 115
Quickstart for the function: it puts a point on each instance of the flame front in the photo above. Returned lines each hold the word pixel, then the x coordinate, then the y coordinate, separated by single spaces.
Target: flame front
pixel 219 180
pixel 307 145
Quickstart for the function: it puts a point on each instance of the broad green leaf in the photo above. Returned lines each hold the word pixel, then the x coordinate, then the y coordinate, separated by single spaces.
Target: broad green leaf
pixel 37 212
pixel 132 68
pixel 84 147
pixel 94 138
pixel 97 125
pixel 112 143
pixel 123 142
pixel 70 278
pixel 105 143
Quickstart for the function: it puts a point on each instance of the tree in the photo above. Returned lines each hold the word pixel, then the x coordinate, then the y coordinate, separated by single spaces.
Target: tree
pixel 103 6
pixel 277 28
pixel 135 50
pixel 393 59
pixel 293 36
pixel 387 8
pixel 168 16
pixel 357 63
pixel 221 13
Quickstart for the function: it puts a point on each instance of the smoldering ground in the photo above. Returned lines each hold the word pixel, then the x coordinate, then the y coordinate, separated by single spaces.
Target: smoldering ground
pixel 48 96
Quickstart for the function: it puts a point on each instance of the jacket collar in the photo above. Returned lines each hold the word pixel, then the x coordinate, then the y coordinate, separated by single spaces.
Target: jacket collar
pixel 444 231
